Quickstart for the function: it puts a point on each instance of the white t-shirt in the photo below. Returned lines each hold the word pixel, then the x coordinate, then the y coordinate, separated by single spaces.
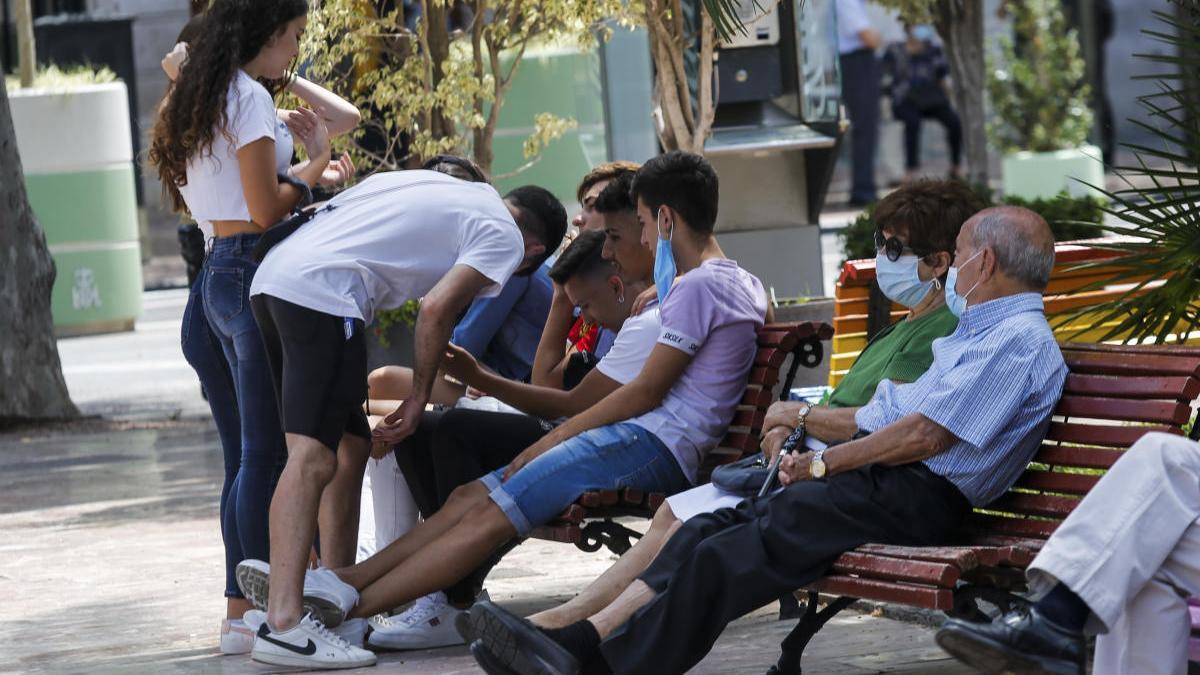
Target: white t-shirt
pixel 214 179
pixel 389 239
pixel 851 20
pixel 633 345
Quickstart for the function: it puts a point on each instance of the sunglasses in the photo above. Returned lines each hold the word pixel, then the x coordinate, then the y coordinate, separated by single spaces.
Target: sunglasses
pixel 892 247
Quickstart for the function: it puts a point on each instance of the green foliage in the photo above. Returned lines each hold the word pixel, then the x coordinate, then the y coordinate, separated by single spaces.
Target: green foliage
pixel 441 88
pixel 386 319
pixel 858 238
pixel 55 79
pixel 1160 211
pixel 1070 218
pixel 1037 87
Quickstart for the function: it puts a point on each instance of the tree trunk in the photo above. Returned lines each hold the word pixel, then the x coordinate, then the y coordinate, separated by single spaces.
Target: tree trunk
pixel 960 24
pixel 439 54
pixel 31 380
pixel 26 51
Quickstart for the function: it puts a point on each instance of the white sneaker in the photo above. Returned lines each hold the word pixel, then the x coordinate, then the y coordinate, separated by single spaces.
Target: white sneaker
pixel 325 595
pixel 429 623
pixel 254 618
pixel 353 631
pixel 236 637
pixel 308 644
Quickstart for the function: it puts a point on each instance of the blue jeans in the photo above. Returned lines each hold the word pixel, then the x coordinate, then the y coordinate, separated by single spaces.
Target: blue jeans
pixel 254 461
pixel 612 457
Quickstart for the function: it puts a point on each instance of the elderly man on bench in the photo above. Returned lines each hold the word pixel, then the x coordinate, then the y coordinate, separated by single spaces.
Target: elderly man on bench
pixel 1121 565
pixel 957 437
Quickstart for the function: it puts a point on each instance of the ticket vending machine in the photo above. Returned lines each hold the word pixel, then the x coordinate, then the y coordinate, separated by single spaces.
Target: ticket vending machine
pixel 775 135
pixel 774 141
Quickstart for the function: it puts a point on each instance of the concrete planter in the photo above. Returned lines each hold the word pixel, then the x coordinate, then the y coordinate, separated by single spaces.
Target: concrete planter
pixel 78 162
pixel 1035 175
pixel 398 352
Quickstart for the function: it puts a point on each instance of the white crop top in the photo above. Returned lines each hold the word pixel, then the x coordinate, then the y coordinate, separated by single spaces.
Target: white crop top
pixel 214 180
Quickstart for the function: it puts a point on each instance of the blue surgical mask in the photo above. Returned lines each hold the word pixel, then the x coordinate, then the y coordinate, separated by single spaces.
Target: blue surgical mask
pixel 664 261
pixel 899 280
pixel 924 32
pixel 958 303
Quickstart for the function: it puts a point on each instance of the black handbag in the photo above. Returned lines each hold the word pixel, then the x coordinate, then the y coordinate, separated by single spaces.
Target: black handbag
pixel 753 476
pixel 743 477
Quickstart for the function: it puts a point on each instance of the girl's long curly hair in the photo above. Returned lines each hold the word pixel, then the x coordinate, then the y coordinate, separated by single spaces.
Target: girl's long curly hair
pixel 232 33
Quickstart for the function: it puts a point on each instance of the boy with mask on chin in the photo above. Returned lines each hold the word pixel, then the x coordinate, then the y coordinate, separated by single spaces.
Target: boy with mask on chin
pixel 649 434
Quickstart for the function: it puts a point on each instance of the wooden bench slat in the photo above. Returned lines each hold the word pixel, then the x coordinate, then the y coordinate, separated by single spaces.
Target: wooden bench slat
pixel 962 557
pixel 1075 456
pixel 942 575
pixel 763 377
pixel 1170 412
pixel 1114 386
pixel 928 597
pixel 979 523
pixel 565 534
pixel 757 398
pixel 1102 434
pixel 1129 363
pixel 1025 503
pixel 1055 481
pixel 752 418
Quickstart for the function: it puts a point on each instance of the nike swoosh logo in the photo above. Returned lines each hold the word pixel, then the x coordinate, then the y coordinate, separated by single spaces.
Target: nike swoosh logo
pixel 264 633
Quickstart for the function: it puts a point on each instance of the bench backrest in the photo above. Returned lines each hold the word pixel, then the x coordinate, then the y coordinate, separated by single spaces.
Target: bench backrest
pixel 1064 295
pixel 1113 395
pixel 776 342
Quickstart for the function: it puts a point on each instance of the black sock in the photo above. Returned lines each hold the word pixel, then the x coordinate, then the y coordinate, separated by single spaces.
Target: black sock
pixel 579 638
pixel 1064 608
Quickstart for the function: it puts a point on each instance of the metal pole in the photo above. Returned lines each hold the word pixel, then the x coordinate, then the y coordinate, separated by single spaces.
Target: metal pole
pixel 26 52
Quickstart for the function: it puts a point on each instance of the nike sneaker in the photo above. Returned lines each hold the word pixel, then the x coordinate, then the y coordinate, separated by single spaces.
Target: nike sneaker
pixel 308 644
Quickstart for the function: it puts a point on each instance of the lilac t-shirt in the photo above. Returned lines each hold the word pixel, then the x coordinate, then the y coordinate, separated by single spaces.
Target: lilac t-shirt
pixel 713 313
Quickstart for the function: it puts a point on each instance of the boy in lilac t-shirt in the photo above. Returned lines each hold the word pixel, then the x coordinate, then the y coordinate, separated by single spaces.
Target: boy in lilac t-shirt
pixel 713 313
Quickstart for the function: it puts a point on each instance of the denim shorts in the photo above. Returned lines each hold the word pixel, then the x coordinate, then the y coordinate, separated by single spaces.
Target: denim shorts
pixel 622 455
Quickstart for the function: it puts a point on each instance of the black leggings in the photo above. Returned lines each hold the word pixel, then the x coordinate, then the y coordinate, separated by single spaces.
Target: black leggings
pixel 454 447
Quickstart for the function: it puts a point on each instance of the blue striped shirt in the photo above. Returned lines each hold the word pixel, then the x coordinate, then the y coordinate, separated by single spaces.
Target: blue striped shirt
pixel 993 384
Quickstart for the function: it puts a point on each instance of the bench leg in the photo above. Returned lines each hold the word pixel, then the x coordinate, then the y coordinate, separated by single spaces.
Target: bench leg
pixel 607 533
pixel 812 622
pixel 970 601
pixel 789 607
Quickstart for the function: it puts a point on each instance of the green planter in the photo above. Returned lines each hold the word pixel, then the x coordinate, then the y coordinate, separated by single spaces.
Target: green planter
pixel 558 80
pixel 78 162
pixel 1035 175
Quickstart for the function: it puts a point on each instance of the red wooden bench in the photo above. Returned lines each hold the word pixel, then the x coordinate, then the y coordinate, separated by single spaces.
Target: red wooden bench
pixel 1112 396
pixel 589 524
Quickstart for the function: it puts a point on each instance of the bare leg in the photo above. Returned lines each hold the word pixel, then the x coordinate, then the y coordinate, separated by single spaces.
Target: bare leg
pixel 460 503
pixel 309 469
pixel 608 586
pixel 443 562
pixel 235 608
pixel 395 383
pixel 615 615
pixel 338 515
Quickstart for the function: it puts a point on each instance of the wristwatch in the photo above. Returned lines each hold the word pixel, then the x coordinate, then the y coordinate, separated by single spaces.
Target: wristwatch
pixel 802 414
pixel 817 468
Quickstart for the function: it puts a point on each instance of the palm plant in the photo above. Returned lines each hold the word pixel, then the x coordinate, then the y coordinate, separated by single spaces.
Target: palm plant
pixel 1159 207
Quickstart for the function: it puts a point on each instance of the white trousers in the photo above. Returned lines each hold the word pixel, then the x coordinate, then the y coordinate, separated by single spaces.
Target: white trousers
pixel 391 511
pixel 1131 551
